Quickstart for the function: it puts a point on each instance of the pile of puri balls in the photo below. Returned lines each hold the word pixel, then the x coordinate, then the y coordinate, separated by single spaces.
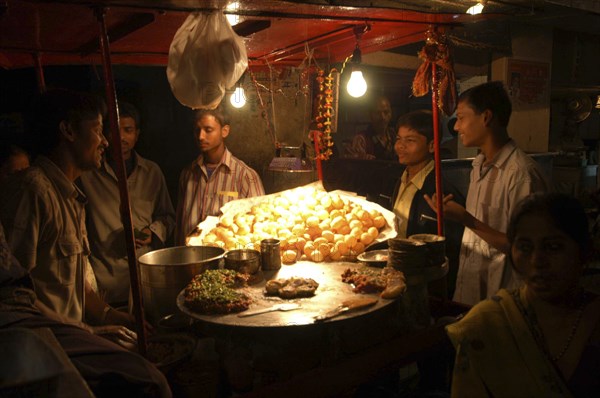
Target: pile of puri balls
pixel 311 224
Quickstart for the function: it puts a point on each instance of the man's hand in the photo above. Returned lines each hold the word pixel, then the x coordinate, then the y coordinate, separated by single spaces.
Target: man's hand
pixel 452 210
pixel 117 334
pixel 125 319
pixel 139 242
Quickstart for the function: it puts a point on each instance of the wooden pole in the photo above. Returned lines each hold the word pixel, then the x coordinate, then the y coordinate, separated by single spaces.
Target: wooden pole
pixel 113 117
pixel 436 144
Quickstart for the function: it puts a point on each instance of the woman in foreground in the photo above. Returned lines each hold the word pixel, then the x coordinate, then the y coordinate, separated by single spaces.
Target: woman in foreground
pixel 542 340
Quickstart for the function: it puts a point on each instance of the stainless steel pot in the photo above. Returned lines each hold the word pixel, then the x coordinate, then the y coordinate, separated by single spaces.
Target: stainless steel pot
pixel 165 272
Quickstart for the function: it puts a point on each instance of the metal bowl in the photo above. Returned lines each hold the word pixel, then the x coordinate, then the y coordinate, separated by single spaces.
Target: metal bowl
pixel 428 238
pixel 409 245
pixel 436 247
pixel 374 258
pixel 165 272
pixel 245 261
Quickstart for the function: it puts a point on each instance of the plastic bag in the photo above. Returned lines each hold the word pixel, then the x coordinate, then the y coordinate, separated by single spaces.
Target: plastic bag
pixel 205 58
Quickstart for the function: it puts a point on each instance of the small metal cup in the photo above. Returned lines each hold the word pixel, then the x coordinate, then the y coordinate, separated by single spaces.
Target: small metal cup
pixel 270 254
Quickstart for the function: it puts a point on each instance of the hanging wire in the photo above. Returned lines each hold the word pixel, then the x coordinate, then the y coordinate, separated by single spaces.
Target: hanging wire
pixel 274 124
pixel 263 107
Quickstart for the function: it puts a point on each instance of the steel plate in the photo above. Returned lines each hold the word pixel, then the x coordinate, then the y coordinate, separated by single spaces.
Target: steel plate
pixel 331 293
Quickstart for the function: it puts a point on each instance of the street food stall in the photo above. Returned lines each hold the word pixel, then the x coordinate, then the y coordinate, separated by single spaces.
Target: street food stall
pixel 326 299
pixel 283 345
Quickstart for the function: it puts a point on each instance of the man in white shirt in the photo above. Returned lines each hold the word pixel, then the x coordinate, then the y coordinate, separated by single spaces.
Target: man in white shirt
pixel 502 175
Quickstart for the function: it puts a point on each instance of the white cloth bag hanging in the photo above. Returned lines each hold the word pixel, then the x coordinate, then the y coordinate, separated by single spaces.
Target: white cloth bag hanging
pixel 206 57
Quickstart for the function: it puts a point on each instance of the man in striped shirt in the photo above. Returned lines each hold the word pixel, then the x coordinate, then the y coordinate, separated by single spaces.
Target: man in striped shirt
pixel 214 178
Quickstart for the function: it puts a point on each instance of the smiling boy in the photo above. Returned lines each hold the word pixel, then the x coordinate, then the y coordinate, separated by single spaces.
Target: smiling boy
pixel 414 147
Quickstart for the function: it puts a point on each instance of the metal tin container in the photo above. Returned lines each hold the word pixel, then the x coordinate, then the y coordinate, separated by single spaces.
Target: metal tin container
pixel 246 261
pixel 270 254
pixel 165 272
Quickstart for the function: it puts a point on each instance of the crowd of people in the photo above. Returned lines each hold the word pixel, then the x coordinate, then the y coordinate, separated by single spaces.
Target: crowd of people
pixel 516 251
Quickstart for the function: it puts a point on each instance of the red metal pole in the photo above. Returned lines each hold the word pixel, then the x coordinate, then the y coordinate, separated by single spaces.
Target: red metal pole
pixel 436 144
pixel 113 117
pixel 39 72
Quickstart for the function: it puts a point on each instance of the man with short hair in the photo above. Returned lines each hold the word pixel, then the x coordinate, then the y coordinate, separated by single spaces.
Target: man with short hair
pixel 43 211
pixel 414 148
pixel 152 212
pixel 502 175
pixel 214 178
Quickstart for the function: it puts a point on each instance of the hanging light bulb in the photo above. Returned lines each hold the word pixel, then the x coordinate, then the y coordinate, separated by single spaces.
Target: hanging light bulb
pixel 238 98
pixel 232 18
pixel 357 86
pixel 477 8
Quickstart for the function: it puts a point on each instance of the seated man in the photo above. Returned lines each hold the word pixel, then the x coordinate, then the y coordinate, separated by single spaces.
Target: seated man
pixel 43 211
pixel 104 365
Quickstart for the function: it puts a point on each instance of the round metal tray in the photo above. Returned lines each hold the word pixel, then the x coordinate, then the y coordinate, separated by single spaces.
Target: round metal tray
pixel 330 294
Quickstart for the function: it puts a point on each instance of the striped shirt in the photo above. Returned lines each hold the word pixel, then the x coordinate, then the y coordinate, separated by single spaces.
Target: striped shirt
pixel 201 196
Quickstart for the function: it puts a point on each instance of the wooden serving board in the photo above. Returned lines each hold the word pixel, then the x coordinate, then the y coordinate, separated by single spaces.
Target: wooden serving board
pixel 330 294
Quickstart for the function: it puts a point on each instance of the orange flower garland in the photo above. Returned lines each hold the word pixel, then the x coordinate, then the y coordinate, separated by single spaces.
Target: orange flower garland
pixel 324 114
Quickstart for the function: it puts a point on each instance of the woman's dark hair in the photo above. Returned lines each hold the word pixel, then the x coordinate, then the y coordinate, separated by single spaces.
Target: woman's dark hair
pixel 420 121
pixel 492 96
pixel 58 105
pixel 564 211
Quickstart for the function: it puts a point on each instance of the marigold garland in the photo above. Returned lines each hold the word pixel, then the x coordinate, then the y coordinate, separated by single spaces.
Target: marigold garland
pixel 324 113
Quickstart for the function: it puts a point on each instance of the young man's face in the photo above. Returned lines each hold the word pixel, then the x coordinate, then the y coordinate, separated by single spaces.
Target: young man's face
pixel 209 133
pixel 129 135
pixel 471 126
pixel 89 143
pixel 411 147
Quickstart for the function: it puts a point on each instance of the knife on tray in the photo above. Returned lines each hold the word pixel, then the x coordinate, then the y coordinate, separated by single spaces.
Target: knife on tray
pixel 277 307
pixel 347 305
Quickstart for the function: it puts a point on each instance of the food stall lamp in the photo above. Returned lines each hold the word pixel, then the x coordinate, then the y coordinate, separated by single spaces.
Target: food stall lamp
pixel 232 18
pixel 357 86
pixel 477 8
pixel 238 98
